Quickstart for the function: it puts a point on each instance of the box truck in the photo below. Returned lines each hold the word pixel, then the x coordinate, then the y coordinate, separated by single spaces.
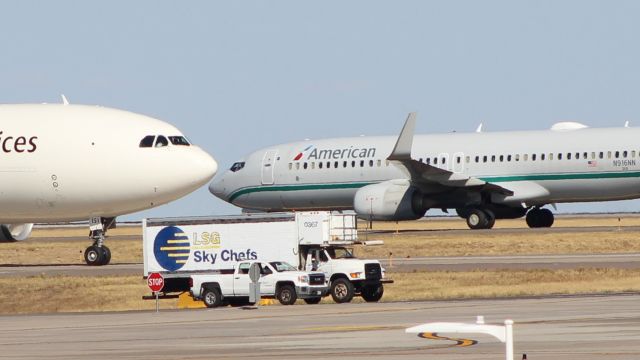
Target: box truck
pixel 316 241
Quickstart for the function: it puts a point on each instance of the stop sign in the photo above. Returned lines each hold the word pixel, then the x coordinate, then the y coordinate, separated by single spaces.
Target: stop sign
pixel 155 282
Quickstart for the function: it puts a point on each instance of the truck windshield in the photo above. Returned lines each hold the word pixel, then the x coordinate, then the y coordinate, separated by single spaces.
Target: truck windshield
pixel 340 253
pixel 281 266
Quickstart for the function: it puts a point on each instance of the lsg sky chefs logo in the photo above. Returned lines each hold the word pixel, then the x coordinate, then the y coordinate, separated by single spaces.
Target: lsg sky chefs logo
pixel 172 248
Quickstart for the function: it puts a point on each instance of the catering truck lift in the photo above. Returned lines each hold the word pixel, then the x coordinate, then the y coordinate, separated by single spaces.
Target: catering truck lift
pixel 318 241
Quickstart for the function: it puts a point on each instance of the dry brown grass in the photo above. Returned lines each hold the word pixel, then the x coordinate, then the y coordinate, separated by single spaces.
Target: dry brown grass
pixel 45 294
pixel 417 244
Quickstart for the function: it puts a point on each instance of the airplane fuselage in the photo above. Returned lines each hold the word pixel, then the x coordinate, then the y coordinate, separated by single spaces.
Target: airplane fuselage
pixel 540 167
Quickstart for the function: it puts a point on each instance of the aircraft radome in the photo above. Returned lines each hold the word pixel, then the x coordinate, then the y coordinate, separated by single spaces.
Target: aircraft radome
pixel 64 162
pixel 484 176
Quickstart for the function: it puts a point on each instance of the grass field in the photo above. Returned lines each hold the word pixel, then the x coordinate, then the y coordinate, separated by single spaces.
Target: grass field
pixel 46 294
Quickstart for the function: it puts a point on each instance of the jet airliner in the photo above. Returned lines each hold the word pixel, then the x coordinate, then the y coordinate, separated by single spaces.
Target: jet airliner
pixel 62 162
pixel 483 176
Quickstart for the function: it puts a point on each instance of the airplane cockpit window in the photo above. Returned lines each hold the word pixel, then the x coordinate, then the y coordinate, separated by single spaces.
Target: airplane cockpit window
pixel 179 140
pixel 147 141
pixel 161 141
pixel 237 166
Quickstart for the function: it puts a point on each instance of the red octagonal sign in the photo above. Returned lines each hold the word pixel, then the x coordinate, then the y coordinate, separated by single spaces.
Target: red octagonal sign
pixel 155 282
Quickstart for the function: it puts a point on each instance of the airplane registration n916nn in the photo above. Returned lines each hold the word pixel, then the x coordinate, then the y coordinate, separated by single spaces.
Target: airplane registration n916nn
pixel 483 176
pixel 64 162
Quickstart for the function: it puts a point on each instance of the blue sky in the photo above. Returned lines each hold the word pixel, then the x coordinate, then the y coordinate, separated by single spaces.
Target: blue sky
pixel 238 75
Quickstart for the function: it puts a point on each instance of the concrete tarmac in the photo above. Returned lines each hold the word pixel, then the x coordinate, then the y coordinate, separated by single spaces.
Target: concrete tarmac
pixel 436 263
pixel 585 328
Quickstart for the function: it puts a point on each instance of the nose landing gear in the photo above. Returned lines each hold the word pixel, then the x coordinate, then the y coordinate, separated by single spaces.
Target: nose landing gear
pixel 98 254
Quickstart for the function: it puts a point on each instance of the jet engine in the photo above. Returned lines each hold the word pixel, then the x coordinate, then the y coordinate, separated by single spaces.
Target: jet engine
pixel 15 232
pixel 391 200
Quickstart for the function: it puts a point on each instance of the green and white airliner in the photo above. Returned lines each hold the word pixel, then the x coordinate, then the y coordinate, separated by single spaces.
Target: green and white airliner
pixel 483 176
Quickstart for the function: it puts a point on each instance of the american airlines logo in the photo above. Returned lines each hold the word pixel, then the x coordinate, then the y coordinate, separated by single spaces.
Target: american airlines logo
pixel 313 153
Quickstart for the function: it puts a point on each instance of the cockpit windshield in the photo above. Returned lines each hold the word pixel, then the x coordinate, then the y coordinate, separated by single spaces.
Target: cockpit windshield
pixel 237 166
pixel 281 266
pixel 179 140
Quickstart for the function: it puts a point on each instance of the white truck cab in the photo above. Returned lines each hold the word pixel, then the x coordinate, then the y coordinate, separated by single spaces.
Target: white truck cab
pixel 278 279
pixel 347 274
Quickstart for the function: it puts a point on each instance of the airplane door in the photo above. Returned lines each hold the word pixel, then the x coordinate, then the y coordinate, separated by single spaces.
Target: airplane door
pixel 458 162
pixel 268 163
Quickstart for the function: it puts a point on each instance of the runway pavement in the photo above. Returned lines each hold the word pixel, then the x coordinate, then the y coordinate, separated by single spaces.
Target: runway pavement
pixel 585 328
pixel 440 263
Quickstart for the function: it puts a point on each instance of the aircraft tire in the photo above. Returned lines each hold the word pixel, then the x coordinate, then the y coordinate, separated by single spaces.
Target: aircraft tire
pixel 94 255
pixel 533 218
pixel 546 218
pixel 107 255
pixel 491 218
pixel 477 219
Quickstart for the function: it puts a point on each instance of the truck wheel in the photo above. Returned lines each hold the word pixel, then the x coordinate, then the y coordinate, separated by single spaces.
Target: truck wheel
pixel 212 297
pixel 313 300
pixel 342 290
pixel 287 295
pixel 372 293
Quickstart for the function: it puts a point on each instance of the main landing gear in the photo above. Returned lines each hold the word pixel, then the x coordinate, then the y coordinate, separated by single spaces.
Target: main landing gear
pixel 539 218
pixel 480 219
pixel 98 254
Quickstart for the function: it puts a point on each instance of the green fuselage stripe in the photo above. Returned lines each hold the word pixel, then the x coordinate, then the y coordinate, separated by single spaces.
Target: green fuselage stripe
pixel 353 185
pixel 489 179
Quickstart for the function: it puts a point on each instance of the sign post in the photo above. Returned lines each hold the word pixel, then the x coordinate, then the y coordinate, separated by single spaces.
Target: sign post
pixel 254 286
pixel 155 281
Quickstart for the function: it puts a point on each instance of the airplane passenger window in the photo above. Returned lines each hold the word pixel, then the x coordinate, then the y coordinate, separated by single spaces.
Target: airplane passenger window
pixel 344 164
pixel 371 163
pixel 290 166
pixel 617 154
pixel 608 154
pixel 508 157
pixel 320 165
pixel 458 160
pixel 161 141
pixel 550 156
pixel 467 159
pixel 585 155
pixel 297 166
pixel 526 157
pixel 533 157
pixel 237 166
pixel 304 166
pixel 593 155
pixel 559 156
pixel 435 161
pixel 361 163
pixel 624 154
pixel 147 141
pixel 353 164
pixel 444 161
pixel 477 158
pixel 313 164
pixel 577 156
pixel 379 162
pixel 328 164
pixel 427 160
pixel 541 157
pixel 517 157
pixel 601 155
pixel 501 158
pixel 633 154
pixel 335 164
pixel 484 159
pixel 179 140
pixel 493 158
pixel 568 156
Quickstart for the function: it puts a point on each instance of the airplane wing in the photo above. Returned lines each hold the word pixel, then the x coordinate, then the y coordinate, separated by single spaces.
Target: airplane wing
pixel 425 175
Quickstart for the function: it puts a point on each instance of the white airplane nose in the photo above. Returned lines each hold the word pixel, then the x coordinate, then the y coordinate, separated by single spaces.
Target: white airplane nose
pixel 208 167
pixel 217 187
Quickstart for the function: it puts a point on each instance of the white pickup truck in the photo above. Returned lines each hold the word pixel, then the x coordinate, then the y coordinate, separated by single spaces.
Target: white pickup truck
pixel 277 279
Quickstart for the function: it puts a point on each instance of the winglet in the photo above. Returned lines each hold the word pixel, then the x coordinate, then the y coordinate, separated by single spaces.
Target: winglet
pixel 64 100
pixel 479 128
pixel 402 150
